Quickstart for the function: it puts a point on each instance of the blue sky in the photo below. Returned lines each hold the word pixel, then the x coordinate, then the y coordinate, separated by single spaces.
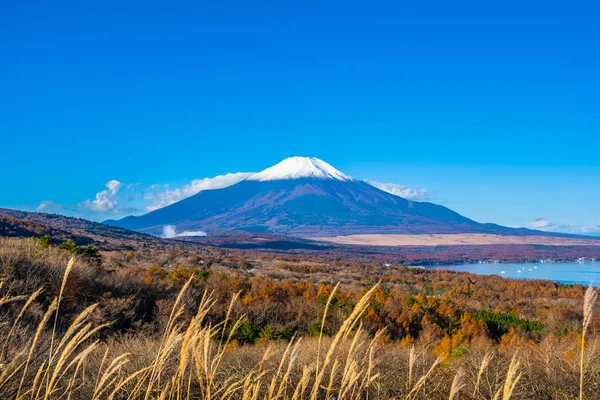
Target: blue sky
pixel 491 108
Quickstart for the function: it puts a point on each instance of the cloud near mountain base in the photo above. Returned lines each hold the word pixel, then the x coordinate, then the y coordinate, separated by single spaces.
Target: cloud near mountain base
pixel 168 197
pixel 401 190
pixel 169 232
pixel 543 224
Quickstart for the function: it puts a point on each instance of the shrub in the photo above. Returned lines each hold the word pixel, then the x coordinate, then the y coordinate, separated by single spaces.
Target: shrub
pixel 499 323
pixel 271 333
pixel 45 242
pixel 246 333
pixel 70 246
pixel 314 329
pixel 203 274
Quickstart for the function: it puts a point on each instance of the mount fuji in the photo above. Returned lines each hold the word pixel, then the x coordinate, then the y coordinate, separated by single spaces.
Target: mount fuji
pixel 302 196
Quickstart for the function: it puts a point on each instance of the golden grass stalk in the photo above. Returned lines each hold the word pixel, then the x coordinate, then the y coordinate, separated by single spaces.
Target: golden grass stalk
pixel 323 327
pixel 7 300
pixel 60 294
pixel 30 300
pixel 169 340
pixel 79 335
pixel 107 378
pixel 290 351
pixel 421 382
pixel 511 380
pixel 130 378
pixel 303 384
pixel 588 305
pixel 33 345
pixel 482 367
pixel 411 363
pixel 340 337
pixel 12 368
pixel 456 385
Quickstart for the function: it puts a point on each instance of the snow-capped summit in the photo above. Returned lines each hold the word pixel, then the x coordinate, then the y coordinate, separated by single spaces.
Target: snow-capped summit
pixel 300 167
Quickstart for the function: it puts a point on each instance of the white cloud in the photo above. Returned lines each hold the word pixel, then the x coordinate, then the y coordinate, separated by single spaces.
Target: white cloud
pixel 400 190
pixel 113 186
pixel 591 229
pixel 163 199
pixel 48 206
pixel 543 224
pixel 169 232
pixel 121 199
pixel 105 200
pixel 540 224
pixel 157 186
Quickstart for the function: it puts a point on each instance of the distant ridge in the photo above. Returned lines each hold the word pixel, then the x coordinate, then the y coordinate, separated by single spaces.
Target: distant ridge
pixel 16 223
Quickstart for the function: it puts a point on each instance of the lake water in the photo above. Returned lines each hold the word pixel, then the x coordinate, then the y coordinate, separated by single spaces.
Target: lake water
pixel 563 272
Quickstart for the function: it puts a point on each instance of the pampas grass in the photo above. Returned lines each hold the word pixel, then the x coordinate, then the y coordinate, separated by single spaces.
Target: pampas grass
pixel 512 378
pixel 421 382
pixel 456 385
pixel 411 365
pixel 588 305
pixel 346 370
pixel 195 357
pixel 482 367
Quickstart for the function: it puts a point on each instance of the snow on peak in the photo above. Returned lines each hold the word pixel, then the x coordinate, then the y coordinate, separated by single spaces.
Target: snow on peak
pixel 300 167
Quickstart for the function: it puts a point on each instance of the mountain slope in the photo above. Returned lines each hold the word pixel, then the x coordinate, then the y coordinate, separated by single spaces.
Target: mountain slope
pixel 16 223
pixel 305 197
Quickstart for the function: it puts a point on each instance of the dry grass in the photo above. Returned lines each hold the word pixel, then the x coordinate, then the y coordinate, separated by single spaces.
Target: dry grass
pixel 484 364
pixel 344 368
pixel 512 378
pixel 195 358
pixel 588 305
pixel 454 239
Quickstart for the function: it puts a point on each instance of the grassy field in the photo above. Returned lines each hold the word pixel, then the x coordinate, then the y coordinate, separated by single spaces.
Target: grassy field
pixel 458 239
pixel 76 329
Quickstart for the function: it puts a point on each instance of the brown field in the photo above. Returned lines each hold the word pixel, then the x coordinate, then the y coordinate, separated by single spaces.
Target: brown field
pixel 455 240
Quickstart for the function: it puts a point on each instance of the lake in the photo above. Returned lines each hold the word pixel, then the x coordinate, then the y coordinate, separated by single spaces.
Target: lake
pixel 563 272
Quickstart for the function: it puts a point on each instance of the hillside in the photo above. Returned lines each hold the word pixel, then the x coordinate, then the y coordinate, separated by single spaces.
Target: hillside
pixel 16 223
pixel 110 238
